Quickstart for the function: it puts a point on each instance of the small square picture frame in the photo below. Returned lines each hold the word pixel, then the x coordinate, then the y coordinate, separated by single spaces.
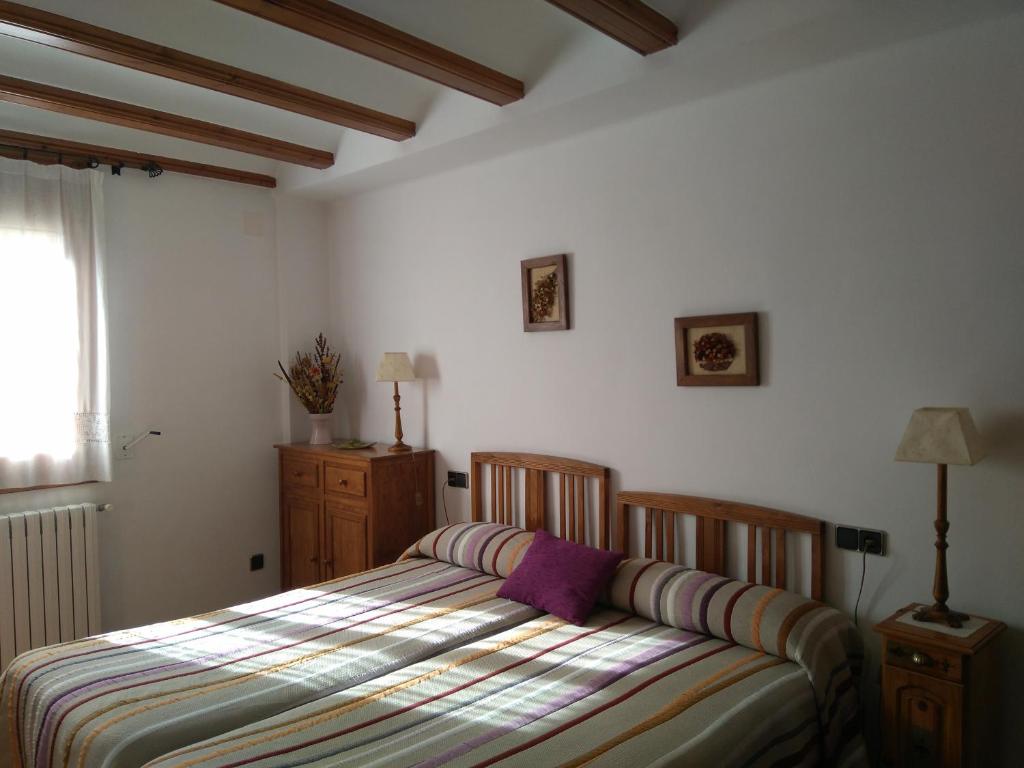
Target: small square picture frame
pixel 717 351
pixel 549 274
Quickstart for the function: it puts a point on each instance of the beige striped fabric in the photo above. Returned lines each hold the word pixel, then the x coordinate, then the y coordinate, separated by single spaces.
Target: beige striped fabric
pixel 619 691
pixel 118 700
pixel 820 639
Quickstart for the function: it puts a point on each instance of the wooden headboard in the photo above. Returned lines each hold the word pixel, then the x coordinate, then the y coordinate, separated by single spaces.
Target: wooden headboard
pixel 573 477
pixel 712 517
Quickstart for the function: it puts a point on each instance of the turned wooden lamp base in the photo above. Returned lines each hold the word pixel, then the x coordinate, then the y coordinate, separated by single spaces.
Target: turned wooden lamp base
pixel 398 446
pixel 940 614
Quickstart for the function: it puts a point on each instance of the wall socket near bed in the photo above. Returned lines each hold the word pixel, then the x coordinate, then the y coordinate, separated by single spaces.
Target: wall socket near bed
pixel 458 480
pixel 860 540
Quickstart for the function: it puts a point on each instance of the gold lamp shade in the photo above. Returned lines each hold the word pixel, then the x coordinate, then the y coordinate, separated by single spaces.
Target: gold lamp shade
pixel 395 366
pixel 941 436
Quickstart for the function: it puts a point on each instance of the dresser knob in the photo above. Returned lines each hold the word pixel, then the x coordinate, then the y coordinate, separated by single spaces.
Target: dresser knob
pixel 312 559
pixel 296 474
pixel 343 483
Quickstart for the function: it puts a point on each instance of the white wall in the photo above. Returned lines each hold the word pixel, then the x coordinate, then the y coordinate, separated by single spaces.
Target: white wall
pixel 197 286
pixel 868 209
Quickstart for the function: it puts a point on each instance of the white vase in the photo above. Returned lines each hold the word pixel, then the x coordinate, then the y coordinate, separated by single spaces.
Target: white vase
pixel 322 433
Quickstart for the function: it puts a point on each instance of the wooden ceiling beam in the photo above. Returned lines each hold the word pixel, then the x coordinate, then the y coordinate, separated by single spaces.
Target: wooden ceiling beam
pixel 631 22
pixel 345 28
pixel 20 21
pixel 78 104
pixel 47 150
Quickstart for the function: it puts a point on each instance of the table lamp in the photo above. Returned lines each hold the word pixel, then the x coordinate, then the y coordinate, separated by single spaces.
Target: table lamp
pixel 941 436
pixel 395 367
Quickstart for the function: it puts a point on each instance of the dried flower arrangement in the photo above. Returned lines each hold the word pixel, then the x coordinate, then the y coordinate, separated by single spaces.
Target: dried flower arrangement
pixel 714 351
pixel 542 301
pixel 314 378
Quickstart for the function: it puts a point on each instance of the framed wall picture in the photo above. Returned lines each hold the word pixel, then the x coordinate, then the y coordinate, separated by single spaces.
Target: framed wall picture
pixel 717 351
pixel 545 293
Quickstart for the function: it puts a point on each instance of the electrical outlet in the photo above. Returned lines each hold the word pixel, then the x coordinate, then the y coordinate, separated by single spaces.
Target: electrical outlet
pixel 256 562
pixel 860 540
pixel 872 542
pixel 458 480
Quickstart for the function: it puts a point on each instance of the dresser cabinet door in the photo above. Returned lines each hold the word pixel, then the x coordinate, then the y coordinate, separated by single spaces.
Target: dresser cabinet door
pixel 922 720
pixel 302 541
pixel 345 541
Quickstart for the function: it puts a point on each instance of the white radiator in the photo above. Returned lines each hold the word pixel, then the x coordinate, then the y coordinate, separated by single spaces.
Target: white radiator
pixel 49 578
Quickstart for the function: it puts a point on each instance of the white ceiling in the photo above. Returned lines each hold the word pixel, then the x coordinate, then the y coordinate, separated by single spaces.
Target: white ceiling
pixel 576 78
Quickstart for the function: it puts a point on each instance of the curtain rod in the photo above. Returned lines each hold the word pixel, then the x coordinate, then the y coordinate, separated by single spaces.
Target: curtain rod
pixel 152 168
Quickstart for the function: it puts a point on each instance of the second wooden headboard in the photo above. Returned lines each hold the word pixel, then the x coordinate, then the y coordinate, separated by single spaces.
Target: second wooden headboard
pixel 572 476
pixel 712 516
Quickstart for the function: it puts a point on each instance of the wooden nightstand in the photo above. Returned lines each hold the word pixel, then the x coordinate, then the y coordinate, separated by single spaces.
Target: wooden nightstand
pixel 346 511
pixel 935 689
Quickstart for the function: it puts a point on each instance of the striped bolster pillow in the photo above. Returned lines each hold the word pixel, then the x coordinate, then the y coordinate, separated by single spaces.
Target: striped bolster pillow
pixel 488 547
pixel 762 618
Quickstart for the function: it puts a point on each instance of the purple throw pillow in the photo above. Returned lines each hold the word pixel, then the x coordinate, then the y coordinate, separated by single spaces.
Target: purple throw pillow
pixel 561 577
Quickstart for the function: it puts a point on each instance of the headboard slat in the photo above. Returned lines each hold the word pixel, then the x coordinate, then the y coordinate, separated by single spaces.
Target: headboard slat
pixel 581 513
pixel 766 555
pixel 780 558
pixel 751 553
pixel 508 496
pixel 494 492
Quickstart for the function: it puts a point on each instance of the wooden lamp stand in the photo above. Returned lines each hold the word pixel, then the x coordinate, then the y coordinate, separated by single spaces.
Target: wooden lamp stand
pixel 939 612
pixel 396 367
pixel 399 446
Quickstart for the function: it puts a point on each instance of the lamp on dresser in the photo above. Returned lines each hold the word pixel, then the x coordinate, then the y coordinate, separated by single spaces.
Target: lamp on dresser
pixel 941 436
pixel 396 367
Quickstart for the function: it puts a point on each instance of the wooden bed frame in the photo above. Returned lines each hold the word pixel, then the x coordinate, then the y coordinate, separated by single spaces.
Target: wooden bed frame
pixel 660 512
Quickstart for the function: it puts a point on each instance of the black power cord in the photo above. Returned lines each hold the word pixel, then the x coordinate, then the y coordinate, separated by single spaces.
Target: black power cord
pixel 444 503
pixel 863 572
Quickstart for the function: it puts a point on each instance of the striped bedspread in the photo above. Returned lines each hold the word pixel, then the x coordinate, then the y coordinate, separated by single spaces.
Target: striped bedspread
pixel 120 699
pixel 620 691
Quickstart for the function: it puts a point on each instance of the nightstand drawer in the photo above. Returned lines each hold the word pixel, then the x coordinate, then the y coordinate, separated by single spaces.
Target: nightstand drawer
pixel 351 482
pixel 304 474
pixel 924 660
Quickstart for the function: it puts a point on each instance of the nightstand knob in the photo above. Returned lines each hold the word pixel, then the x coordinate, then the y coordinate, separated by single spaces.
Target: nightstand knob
pixel 343 482
pixel 920 659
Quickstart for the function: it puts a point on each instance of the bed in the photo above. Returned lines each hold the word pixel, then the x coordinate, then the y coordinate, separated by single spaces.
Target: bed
pixel 679 666
pixel 123 698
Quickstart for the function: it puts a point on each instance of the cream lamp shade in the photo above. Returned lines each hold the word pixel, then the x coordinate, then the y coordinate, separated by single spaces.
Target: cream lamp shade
pixel 395 366
pixel 941 436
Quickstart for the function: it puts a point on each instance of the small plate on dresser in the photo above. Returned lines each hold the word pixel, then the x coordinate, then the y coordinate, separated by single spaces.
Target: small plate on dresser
pixel 354 444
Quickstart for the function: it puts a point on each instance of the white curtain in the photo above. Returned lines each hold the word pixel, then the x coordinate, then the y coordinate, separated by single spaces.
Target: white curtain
pixel 54 391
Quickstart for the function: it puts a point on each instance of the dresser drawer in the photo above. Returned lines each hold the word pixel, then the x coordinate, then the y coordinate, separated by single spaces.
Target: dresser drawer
pixel 300 473
pixel 924 660
pixel 343 480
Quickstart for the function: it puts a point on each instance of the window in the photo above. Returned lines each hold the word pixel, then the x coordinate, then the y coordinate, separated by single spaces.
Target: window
pixel 39 347
pixel 53 367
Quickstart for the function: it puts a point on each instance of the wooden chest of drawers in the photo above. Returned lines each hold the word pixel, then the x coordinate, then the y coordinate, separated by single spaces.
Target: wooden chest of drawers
pixel 345 511
pixel 939 695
